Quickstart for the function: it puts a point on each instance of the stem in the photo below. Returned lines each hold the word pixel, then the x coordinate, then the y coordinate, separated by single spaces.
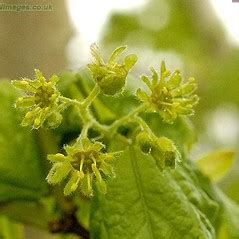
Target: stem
pixel 69 101
pixel 128 117
pixel 100 127
pixel 85 115
pixel 145 127
pixel 90 98
pixel 84 131
pixel 83 106
pixel 90 121
pixel 69 224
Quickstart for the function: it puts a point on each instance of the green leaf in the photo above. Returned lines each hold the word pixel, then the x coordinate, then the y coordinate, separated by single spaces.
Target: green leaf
pixel 10 230
pixel 144 203
pixel 20 167
pixel 230 218
pixel 25 212
pixel 216 164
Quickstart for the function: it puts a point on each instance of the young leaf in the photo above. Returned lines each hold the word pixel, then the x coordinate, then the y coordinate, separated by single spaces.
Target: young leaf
pixel 216 164
pixel 144 203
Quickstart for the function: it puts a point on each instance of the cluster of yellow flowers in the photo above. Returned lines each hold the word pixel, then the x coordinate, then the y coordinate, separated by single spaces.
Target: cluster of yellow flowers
pixel 41 101
pixel 169 95
pixel 87 161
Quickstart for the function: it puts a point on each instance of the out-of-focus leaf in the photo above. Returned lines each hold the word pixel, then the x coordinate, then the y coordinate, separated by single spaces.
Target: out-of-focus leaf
pixel 216 164
pixel 36 214
pixel 10 230
pixel 21 173
pixel 230 219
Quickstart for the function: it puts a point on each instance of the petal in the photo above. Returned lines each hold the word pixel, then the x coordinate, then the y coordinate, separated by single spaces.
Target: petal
pixel 185 89
pixel 27 122
pixel 39 76
pixel 86 143
pixel 35 83
pixel 86 185
pixel 56 157
pixel 168 116
pixel 116 53
pixel 24 85
pixel 107 169
pixel 39 120
pixel 95 52
pixel 54 79
pixel 54 120
pixel 58 172
pixel 162 68
pixel 25 102
pixel 166 144
pixel 100 182
pixel 130 61
pixel 73 183
pixel 70 149
pixel 97 146
pixel 142 95
pixel 154 76
pixel 146 80
pixel 174 81
pixel 186 110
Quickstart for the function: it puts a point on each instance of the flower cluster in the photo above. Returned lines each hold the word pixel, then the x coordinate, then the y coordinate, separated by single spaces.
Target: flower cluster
pixel 41 101
pixel 161 149
pixel 83 163
pixel 86 162
pixel 111 76
pixel 169 95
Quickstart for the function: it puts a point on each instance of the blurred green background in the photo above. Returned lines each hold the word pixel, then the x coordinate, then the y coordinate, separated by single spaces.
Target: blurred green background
pixel 186 34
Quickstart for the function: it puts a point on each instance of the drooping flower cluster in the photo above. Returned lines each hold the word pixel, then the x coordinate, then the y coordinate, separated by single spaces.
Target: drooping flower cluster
pixel 162 149
pixel 111 76
pixel 40 101
pixel 169 95
pixel 84 163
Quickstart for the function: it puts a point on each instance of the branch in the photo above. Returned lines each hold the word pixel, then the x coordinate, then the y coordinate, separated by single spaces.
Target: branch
pixel 69 224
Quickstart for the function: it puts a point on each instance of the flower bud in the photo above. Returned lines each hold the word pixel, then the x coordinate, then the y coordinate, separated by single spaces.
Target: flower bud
pixel 165 153
pixel 145 142
pixel 111 76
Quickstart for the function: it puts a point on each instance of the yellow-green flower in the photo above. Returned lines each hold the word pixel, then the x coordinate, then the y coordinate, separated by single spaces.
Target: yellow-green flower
pixel 165 153
pixel 111 76
pixel 84 163
pixel 169 95
pixel 162 149
pixel 145 142
pixel 41 101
